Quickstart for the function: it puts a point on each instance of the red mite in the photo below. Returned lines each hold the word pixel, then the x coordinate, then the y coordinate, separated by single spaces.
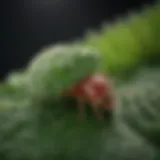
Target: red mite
pixel 95 89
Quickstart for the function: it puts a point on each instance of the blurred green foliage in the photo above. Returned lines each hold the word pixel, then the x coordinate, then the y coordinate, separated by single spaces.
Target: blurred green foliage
pixel 129 42
pixel 31 129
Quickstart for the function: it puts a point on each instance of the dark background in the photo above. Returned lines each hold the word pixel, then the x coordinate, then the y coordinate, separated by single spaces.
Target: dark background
pixel 31 24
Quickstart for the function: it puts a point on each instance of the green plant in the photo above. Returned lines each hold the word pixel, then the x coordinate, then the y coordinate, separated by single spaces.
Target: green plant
pixel 36 123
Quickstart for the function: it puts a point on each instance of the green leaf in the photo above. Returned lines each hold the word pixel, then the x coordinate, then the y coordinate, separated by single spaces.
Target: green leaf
pixel 139 104
pixel 59 67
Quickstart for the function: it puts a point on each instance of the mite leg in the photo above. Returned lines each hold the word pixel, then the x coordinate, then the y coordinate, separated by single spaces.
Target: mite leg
pixel 97 110
pixel 81 109
pixel 109 101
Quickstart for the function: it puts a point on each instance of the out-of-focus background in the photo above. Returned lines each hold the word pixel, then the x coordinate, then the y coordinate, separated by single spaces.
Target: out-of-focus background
pixel 32 24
